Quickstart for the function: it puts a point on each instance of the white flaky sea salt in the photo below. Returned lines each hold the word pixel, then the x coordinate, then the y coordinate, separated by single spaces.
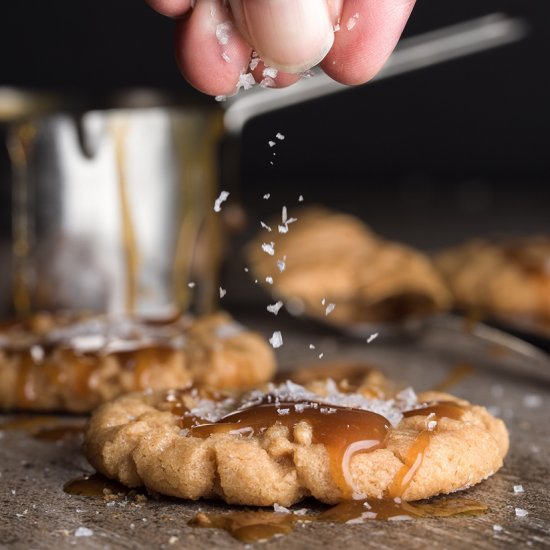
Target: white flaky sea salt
pixel 280 509
pixel 521 513
pixel 274 308
pixel 301 198
pixel 271 143
pixel 265 226
pixel 225 57
pixel 518 489
pixel 267 195
pixel 270 72
pixel 280 136
pixel 223 292
pixel 372 337
pixel 497 528
pixel 223 32
pixel 269 248
pixel 277 339
pixel 311 346
pixel 329 309
pixel 83 532
pixel 246 81
pixel 269 280
pixel 218 202
pixel 281 264
pixel 351 21
pixel 321 355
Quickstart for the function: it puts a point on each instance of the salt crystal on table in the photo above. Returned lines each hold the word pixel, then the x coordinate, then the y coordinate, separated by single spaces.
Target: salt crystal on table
pixel 372 337
pixel 276 340
pixel 246 81
pixel 311 346
pixel 218 202
pixel 329 309
pixel 269 248
pixel 223 292
pixel 83 532
pixel 275 307
pixel 521 513
pixel 497 528
pixel 280 509
pixel 518 489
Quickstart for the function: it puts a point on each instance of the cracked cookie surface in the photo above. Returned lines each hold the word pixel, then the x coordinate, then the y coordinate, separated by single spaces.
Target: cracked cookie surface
pixel 288 443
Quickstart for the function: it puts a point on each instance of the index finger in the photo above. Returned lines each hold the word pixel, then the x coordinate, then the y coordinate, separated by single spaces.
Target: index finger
pixel 171 8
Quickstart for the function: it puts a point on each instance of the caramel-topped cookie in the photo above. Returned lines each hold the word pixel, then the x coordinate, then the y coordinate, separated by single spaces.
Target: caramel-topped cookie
pixel 68 363
pixel 330 257
pixel 508 277
pixel 289 442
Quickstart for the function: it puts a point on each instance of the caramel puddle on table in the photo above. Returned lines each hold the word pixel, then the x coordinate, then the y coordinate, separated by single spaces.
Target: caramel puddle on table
pixel 45 428
pixel 260 525
pixel 94 485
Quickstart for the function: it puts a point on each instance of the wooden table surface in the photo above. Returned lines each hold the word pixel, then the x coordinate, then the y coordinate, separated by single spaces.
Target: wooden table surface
pixel 36 513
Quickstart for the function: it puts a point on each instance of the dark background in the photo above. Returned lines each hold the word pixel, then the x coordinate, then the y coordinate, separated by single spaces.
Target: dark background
pixel 429 157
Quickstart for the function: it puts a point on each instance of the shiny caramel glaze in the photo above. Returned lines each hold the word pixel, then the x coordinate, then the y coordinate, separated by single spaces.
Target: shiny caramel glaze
pixel 261 525
pixel 343 431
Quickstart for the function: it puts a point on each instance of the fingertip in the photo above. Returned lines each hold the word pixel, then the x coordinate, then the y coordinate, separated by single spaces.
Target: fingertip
pixel 170 8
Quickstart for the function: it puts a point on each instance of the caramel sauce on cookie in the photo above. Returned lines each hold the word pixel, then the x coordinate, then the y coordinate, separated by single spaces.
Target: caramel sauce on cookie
pixel 343 431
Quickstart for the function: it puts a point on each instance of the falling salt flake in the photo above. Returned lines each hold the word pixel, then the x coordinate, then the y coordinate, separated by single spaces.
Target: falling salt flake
pixel 323 301
pixel 221 98
pixel 497 528
pixel 191 285
pixel 311 346
pixel 281 264
pixel 246 269
pixel 267 82
pixel 301 198
pixel 280 509
pixel 329 309
pixel 271 162
pixel 83 532
pixel 518 489
pixel 223 292
pixel 280 136
pixel 265 226
pixel 271 143
pixel 267 195
pixel 270 72
pixel 521 512
pixel 321 355
pixel 276 340
pixel 282 228
pixel 223 32
pixel 269 280
pixel 218 202
pixel 274 308
pixel 246 81
pixel 372 337
pixel 284 215
pixel 532 401
pixel 226 57
pixel 269 248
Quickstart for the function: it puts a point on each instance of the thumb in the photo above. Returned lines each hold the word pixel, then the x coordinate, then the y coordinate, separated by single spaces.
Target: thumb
pixel 290 35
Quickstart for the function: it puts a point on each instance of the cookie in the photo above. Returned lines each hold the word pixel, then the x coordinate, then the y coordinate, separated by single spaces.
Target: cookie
pixel 500 277
pixel 330 257
pixel 67 363
pixel 287 443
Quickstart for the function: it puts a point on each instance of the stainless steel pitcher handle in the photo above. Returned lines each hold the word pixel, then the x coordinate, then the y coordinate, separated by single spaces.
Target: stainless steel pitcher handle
pixel 424 50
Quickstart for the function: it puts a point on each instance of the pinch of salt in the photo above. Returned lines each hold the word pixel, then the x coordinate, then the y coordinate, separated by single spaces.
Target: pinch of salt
pixel 270 72
pixel 267 195
pixel 276 340
pixel 329 309
pixel 269 248
pixel 218 202
pixel 311 346
pixel 518 489
pixel 284 215
pixel 521 513
pixel 372 337
pixel 275 307
pixel 83 532
pixel 223 292
pixel 282 228
pixel 269 280
pixel 246 81
pixel 265 226
pixel 223 31
pixel 221 98
pixel 281 265
pixel 301 198
pixel 280 136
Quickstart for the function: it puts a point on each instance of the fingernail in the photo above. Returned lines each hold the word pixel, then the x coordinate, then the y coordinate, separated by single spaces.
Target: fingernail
pixel 291 35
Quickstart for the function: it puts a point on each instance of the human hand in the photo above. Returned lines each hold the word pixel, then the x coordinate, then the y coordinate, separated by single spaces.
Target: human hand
pixel 215 39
